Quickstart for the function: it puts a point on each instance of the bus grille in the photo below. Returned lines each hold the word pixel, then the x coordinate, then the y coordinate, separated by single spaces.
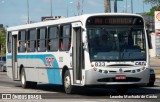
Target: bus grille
pixel 128 79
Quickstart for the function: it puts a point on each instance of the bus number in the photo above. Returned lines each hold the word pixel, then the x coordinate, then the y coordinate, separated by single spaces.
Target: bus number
pixel 99 64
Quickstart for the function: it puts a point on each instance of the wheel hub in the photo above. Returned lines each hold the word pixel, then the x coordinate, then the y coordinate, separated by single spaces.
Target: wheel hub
pixel 67 82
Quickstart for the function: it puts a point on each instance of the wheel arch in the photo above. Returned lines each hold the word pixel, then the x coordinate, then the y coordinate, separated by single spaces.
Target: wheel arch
pixel 65 68
pixel 20 69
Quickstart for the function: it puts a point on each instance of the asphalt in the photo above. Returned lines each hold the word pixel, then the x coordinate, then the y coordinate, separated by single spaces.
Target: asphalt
pixel 155 64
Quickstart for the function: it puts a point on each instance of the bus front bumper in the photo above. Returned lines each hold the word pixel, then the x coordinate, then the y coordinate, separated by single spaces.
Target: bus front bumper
pixel 98 78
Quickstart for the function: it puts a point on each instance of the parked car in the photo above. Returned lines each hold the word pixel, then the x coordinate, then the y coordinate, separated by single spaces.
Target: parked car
pixel 3 63
pixel 4 69
pixel 152 78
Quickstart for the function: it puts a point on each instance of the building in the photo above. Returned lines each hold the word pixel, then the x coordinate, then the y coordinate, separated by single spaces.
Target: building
pixel 149 20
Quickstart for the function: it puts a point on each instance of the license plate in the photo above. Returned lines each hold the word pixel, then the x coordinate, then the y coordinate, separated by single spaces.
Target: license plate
pixel 120 77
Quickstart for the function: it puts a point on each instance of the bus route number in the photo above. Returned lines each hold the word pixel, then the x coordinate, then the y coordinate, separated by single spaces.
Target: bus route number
pixel 99 64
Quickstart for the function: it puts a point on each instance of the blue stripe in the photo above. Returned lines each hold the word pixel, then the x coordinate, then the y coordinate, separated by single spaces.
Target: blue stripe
pixel 54 76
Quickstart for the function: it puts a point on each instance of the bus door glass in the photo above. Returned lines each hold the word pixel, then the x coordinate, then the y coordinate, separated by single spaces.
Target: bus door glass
pixel 77 54
pixel 14 55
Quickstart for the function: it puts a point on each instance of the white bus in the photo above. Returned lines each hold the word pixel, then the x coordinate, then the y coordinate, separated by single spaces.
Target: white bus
pixel 87 50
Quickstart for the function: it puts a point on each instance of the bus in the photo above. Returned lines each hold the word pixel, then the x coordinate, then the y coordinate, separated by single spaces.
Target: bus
pixel 104 49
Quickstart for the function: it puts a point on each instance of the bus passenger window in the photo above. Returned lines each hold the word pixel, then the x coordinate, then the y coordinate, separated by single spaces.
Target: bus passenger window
pixel 41 40
pixel 9 42
pixel 32 40
pixel 53 39
pixel 27 45
pixel 21 41
pixel 65 38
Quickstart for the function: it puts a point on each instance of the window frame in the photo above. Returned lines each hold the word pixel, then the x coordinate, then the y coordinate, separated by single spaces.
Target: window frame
pixel 39 39
pixel 61 37
pixel 54 38
pixel 19 38
pixel 29 40
pixel 9 41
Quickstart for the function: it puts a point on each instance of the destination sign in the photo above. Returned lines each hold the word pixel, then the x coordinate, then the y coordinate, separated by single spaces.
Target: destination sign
pixel 114 20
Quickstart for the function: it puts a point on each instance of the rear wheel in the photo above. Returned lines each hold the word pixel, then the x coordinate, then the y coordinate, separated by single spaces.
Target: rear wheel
pixel 26 84
pixel 67 83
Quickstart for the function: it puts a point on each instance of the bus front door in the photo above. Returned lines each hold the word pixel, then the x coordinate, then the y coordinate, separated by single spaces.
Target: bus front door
pixel 77 55
pixel 14 56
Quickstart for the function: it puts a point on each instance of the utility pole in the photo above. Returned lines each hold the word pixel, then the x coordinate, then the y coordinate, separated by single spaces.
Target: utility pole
pixel 51 7
pixel 131 6
pixel 115 6
pixel 28 11
pixel 126 6
pixel 107 7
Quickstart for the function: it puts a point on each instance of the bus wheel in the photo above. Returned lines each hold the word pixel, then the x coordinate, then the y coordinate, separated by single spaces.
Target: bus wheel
pixel 122 90
pixel 67 83
pixel 25 84
pixel 33 85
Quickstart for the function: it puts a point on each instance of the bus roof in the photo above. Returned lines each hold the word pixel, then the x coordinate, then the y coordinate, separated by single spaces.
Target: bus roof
pixel 81 18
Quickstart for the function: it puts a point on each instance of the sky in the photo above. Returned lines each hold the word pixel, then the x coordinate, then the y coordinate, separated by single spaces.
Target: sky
pixel 14 12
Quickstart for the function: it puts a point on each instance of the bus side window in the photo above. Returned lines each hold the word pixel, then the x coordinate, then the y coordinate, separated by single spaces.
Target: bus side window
pixel 9 42
pixel 41 40
pixel 32 40
pixel 21 41
pixel 65 38
pixel 53 39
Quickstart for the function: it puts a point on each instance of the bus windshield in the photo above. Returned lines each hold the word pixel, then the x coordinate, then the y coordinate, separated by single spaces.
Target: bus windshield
pixel 116 43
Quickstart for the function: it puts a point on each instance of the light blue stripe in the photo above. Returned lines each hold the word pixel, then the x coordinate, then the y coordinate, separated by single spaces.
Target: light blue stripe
pixel 54 76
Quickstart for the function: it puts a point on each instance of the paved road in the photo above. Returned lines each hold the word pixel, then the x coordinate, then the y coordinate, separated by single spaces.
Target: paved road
pixel 56 93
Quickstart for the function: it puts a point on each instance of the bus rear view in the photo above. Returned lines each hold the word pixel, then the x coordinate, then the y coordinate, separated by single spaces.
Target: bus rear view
pixel 118 50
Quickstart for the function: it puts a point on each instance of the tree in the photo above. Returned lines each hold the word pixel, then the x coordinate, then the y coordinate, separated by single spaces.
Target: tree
pixel 2 41
pixel 154 8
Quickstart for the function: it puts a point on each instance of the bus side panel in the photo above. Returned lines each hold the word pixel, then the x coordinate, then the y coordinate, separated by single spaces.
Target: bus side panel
pixel 9 66
pixel 42 68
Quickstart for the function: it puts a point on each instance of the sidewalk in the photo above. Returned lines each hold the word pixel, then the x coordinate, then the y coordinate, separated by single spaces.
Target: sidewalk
pixel 155 64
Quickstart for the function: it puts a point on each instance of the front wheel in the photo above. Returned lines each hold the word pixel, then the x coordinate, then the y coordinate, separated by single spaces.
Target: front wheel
pixel 67 83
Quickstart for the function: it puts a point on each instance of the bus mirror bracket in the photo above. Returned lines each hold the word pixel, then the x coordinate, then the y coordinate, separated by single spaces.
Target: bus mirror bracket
pixel 85 43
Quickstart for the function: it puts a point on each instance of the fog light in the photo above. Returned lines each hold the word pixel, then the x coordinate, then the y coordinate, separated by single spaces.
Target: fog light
pixel 133 71
pixel 143 68
pixel 100 70
pixel 94 68
pixel 105 71
pixel 138 70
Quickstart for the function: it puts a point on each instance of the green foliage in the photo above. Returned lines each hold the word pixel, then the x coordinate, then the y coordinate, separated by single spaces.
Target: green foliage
pixel 154 8
pixel 3 41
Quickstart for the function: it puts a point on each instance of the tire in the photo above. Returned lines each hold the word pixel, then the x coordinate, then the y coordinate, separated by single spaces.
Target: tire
pixel 24 83
pixel 122 90
pixel 150 84
pixel 67 83
pixel 33 85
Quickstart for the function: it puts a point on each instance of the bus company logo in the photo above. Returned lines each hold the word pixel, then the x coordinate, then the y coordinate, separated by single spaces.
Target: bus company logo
pixel 120 70
pixel 49 61
pixel 158 16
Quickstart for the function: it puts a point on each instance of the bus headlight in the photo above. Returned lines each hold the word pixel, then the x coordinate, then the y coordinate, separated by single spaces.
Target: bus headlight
pixel 143 68
pixel 94 68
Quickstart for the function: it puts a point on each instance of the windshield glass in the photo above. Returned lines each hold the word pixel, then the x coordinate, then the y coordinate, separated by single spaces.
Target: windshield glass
pixel 116 43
